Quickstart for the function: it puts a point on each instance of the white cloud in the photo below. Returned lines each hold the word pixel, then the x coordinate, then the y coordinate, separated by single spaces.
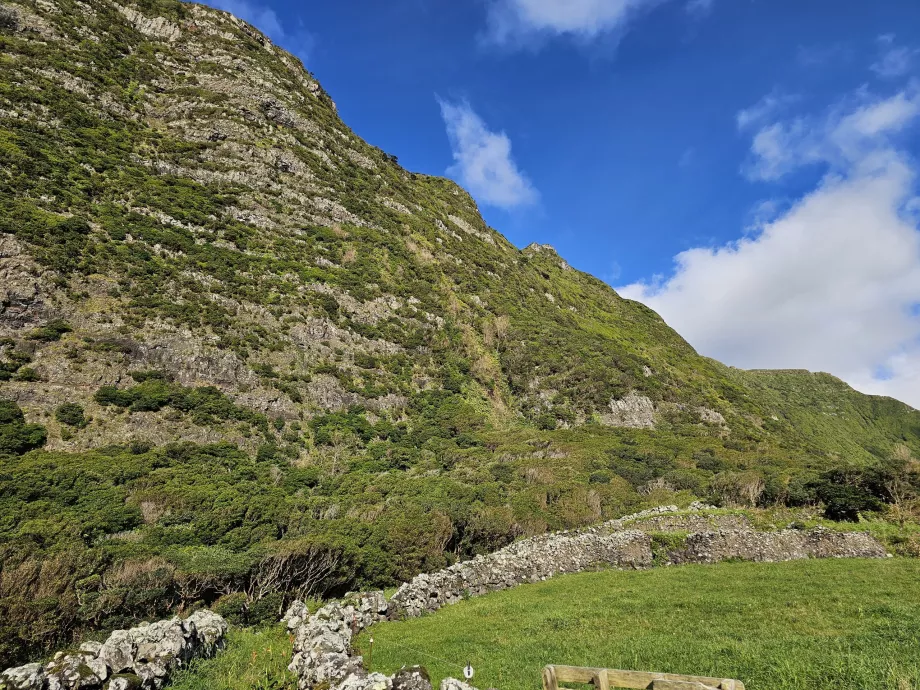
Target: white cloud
pixel 894 61
pixel 483 162
pixel 832 283
pixel 848 135
pixel 767 107
pixel 513 20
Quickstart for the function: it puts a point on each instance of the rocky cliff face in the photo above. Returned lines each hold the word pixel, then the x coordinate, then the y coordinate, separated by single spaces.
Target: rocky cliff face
pixel 236 233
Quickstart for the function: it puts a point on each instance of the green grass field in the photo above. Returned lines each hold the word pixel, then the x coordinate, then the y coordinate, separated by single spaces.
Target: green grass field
pixel 253 660
pixel 842 624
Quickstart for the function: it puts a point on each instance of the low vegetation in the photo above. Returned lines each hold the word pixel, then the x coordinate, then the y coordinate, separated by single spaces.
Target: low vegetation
pixel 255 659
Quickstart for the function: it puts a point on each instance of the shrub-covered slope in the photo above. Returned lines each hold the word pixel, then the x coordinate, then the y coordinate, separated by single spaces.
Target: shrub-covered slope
pixel 243 339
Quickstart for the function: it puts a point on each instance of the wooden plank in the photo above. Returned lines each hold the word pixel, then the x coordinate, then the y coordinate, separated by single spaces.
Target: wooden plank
pixel 549 678
pixel 638 680
pixel 601 681
pixel 678 685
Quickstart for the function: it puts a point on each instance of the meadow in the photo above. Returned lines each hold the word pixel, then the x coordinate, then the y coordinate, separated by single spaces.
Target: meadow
pixel 843 624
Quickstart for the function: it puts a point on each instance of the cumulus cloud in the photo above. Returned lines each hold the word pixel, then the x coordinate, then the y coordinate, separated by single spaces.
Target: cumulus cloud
pixel 483 162
pixel 511 21
pixel 833 282
pixel 894 61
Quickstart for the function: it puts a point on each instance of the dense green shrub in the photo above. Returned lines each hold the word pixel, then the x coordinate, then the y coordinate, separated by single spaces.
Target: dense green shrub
pixel 51 331
pixel 16 436
pixel 71 414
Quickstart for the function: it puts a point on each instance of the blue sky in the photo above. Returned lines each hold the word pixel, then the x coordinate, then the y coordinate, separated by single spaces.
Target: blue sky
pixel 745 167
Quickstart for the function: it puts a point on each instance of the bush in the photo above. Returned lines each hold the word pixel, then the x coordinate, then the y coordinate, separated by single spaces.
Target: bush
pixel 17 437
pixel 51 331
pixel 71 414
pixel 233 607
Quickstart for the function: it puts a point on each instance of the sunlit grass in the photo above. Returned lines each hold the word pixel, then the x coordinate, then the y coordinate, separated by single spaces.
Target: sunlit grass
pixel 843 624
pixel 253 660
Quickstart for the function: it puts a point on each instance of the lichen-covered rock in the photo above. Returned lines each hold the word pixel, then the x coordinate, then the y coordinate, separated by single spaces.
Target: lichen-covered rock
pixel 71 671
pixel 454 684
pixel 785 545
pixel 123 682
pixel 135 659
pixel 28 677
pixel 296 614
pixel 529 560
pixel 118 651
pixel 412 678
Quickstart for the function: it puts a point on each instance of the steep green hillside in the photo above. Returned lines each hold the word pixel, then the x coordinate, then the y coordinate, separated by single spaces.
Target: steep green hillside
pixel 240 337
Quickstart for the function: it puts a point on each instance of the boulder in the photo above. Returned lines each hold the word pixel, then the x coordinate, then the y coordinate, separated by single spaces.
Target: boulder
pixel 28 677
pixel 412 678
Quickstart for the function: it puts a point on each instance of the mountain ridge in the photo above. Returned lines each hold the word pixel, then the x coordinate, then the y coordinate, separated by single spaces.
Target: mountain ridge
pixel 230 329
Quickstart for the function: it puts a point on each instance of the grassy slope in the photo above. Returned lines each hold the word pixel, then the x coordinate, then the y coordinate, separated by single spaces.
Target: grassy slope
pixel 808 624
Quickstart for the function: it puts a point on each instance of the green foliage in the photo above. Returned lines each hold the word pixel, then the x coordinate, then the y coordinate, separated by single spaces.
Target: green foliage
pixel 71 414
pixel 255 659
pixel 51 331
pixel 205 404
pixel 17 437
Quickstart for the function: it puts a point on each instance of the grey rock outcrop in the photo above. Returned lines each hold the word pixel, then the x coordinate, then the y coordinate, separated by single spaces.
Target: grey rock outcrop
pixel 412 678
pixel 141 658
pixel 633 411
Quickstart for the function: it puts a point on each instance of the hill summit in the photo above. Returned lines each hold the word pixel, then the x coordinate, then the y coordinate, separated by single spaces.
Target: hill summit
pixel 231 331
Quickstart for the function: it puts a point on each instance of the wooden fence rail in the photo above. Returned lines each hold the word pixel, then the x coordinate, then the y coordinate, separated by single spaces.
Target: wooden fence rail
pixel 607 678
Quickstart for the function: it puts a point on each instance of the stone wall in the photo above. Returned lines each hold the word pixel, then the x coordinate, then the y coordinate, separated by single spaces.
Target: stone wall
pixel 141 658
pixel 323 656
pixel 784 545
pixel 529 560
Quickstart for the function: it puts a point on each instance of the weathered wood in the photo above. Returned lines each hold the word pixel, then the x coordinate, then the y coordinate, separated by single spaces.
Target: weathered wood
pixel 601 682
pixel 678 685
pixel 639 680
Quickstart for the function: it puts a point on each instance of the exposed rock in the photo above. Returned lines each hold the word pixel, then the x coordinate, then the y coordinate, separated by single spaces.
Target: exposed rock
pixel 412 678
pixel 633 411
pixel 454 684
pixel 691 523
pixel 710 416
pixel 529 560
pixel 140 658
pixel 28 677
pixel 785 545
pixel 9 19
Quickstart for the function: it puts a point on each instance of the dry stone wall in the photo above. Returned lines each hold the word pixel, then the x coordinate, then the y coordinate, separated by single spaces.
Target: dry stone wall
pixel 785 545
pixel 323 655
pixel 141 658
